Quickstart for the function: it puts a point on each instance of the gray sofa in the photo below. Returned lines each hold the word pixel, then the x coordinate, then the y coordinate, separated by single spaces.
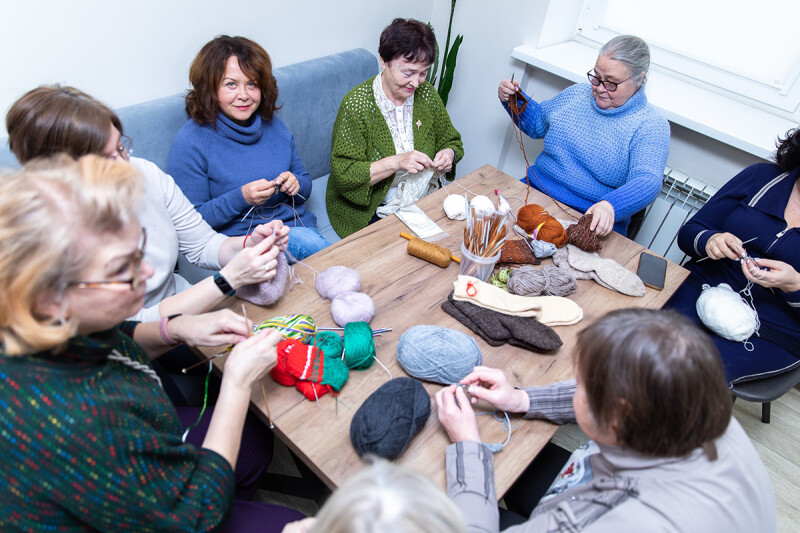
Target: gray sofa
pixel 309 96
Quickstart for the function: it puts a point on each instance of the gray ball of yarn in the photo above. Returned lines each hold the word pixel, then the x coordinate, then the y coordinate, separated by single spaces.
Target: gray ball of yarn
pixel 391 416
pixel 549 281
pixel 437 354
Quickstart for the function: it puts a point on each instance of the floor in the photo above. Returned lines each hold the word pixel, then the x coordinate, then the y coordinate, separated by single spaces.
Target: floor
pixel 776 442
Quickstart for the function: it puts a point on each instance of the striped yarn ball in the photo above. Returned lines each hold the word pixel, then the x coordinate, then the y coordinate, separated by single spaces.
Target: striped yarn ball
pixel 297 327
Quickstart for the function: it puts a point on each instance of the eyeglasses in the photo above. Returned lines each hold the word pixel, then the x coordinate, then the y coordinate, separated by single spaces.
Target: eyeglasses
pixel 610 86
pixel 135 264
pixel 124 148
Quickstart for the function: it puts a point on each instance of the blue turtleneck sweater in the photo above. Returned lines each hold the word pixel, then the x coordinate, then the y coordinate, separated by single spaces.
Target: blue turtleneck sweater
pixel 210 163
pixel 592 154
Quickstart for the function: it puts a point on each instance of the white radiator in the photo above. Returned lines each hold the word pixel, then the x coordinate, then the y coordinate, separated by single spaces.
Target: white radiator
pixel 681 197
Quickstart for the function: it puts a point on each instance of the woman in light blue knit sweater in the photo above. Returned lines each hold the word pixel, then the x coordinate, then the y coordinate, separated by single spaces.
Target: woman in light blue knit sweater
pixel 605 146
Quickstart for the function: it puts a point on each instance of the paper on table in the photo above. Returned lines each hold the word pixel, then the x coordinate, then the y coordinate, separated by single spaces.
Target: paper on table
pixel 420 223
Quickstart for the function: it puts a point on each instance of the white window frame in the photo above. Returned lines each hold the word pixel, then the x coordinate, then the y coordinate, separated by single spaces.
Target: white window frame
pixel 779 97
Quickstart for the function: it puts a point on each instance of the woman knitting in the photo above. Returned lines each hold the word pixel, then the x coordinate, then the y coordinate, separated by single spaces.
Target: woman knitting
pixel 393 141
pixel 91 441
pixel 234 159
pixel 605 146
pixel 759 206
pixel 650 394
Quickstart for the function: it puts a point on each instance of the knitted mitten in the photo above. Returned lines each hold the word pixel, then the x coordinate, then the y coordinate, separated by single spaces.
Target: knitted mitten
pixel 524 332
pixel 267 292
pixel 611 273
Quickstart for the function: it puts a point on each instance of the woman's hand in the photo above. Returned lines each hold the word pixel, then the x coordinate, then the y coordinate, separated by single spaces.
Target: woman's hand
pixel 257 192
pixel 458 419
pixel 443 161
pixel 412 162
pixel 251 359
pixel 253 265
pixel 602 218
pixel 210 329
pixel 301 526
pixel 722 245
pixel 288 183
pixel 769 273
pixel 507 89
pixel 491 385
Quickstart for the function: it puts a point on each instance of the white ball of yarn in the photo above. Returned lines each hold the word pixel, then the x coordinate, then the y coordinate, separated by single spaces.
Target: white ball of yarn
pixel 352 307
pixel 725 313
pixel 455 207
pixel 482 204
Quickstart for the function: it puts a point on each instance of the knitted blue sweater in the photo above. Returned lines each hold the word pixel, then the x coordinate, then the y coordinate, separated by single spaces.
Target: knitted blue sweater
pixel 591 154
pixel 210 164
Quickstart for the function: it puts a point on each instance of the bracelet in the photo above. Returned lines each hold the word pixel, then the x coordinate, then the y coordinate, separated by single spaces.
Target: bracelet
pixel 244 242
pixel 162 329
pixel 223 285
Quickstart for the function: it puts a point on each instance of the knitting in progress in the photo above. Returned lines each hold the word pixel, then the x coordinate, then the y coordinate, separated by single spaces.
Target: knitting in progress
pixel 605 271
pixel 308 369
pixel 270 291
pixel 436 354
pixel 581 236
pixel 726 313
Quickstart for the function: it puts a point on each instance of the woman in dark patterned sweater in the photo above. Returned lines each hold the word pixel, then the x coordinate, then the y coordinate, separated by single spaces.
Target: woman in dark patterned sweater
pixel 89 439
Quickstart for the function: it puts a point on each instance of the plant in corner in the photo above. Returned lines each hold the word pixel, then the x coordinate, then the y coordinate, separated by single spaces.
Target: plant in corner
pixel 448 61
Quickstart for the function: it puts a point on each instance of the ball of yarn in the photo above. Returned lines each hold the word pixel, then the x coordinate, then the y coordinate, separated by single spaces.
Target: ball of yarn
pixel 299 327
pixel 437 354
pixel 267 292
pixel 581 236
pixel 538 223
pixel 336 280
pixel 482 204
pixel 725 313
pixel 390 417
pixel 352 307
pixel 330 343
pixel 549 281
pixel 359 345
pixel 455 207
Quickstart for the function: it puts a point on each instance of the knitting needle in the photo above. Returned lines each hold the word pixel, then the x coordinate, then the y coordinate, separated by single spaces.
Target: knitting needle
pixel 260 381
pixel 745 242
pixel 204 361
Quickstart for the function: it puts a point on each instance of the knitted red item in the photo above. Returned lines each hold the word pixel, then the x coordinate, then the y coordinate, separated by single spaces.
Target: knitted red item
pixel 306 388
pixel 303 366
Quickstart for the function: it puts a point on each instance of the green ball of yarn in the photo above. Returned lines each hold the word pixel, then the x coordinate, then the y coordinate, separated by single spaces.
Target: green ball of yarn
pixel 359 345
pixel 330 343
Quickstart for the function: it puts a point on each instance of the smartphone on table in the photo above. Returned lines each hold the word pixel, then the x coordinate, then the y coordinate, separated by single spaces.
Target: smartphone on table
pixel 652 270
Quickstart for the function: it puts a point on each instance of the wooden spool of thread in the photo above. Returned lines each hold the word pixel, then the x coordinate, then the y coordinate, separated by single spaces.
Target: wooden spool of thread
pixel 430 252
pixel 536 221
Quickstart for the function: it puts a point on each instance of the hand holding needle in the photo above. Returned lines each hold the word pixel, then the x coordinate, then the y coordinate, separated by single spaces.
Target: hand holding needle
pixel 743 243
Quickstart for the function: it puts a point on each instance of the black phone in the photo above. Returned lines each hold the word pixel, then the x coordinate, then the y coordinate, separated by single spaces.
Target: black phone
pixel 652 270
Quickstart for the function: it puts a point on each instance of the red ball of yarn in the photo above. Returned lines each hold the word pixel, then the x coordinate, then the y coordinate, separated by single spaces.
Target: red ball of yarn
pixel 535 220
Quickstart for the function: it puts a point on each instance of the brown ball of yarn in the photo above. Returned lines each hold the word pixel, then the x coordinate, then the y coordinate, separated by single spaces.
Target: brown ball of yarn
pixel 581 236
pixel 533 216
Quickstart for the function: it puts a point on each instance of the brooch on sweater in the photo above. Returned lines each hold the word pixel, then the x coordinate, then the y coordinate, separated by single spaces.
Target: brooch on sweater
pixel 419 124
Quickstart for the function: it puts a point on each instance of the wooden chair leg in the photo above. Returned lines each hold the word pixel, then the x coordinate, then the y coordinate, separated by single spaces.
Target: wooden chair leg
pixel 765 412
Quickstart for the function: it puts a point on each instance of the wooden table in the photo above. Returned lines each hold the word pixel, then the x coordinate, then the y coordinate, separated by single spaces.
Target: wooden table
pixel 408 291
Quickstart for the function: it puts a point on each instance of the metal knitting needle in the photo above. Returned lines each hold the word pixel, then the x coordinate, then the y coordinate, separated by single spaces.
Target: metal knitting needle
pixel 745 242
pixel 204 361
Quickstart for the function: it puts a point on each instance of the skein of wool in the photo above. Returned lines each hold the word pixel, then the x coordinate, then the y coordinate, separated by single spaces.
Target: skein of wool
pixel 336 280
pixel 581 236
pixel 359 346
pixel 455 207
pixel 548 281
pixel 482 204
pixel 352 307
pixel 437 354
pixel 538 223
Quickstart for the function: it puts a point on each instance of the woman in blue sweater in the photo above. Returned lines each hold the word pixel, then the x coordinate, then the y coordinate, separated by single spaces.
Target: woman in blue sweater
pixel 604 147
pixel 760 206
pixel 234 160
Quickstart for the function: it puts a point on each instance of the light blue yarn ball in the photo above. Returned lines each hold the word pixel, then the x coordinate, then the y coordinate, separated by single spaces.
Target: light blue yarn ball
pixel 437 354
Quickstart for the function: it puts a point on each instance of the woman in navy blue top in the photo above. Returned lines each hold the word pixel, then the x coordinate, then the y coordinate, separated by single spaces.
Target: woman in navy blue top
pixel 762 205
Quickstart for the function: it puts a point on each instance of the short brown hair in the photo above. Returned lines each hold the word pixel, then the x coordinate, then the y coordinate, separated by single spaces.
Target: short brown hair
pixel 53 119
pixel 208 69
pixel 46 210
pixel 658 377
pixel 410 39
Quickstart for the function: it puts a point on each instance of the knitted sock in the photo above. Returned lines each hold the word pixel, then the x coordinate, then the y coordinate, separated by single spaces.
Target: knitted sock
pixel 307 368
pixel 561 260
pixel 449 307
pixel 549 310
pixel 607 270
pixel 524 332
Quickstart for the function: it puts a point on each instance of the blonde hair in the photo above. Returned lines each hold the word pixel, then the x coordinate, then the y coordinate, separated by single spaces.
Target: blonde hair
pixel 46 210
pixel 386 497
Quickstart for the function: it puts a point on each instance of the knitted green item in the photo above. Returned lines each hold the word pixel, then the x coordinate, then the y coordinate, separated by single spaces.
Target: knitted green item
pixel 361 136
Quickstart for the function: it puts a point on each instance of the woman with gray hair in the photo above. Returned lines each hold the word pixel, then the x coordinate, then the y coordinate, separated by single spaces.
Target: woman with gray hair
pixel 605 146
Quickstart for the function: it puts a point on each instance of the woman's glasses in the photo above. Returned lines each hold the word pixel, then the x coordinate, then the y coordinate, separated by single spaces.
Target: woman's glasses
pixel 124 149
pixel 610 86
pixel 135 265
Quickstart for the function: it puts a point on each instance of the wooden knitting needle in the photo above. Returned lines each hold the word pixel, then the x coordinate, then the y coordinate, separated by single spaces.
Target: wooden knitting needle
pixel 260 381
pixel 411 237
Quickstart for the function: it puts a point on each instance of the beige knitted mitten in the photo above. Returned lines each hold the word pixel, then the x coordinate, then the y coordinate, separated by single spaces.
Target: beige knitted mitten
pixel 606 271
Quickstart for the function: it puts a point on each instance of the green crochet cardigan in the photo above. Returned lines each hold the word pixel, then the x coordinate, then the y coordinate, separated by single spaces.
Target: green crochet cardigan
pixel 361 136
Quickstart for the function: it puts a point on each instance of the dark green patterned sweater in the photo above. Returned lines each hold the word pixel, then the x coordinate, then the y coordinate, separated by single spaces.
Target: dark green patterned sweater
pixel 88 443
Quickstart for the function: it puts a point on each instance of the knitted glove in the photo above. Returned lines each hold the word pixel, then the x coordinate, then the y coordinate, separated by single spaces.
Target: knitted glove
pixel 267 292
pixel 494 327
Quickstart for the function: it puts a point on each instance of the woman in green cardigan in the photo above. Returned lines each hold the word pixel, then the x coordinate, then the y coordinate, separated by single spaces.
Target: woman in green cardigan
pixel 393 141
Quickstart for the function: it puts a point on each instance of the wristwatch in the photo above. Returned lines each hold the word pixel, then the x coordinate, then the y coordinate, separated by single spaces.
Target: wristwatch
pixel 223 285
